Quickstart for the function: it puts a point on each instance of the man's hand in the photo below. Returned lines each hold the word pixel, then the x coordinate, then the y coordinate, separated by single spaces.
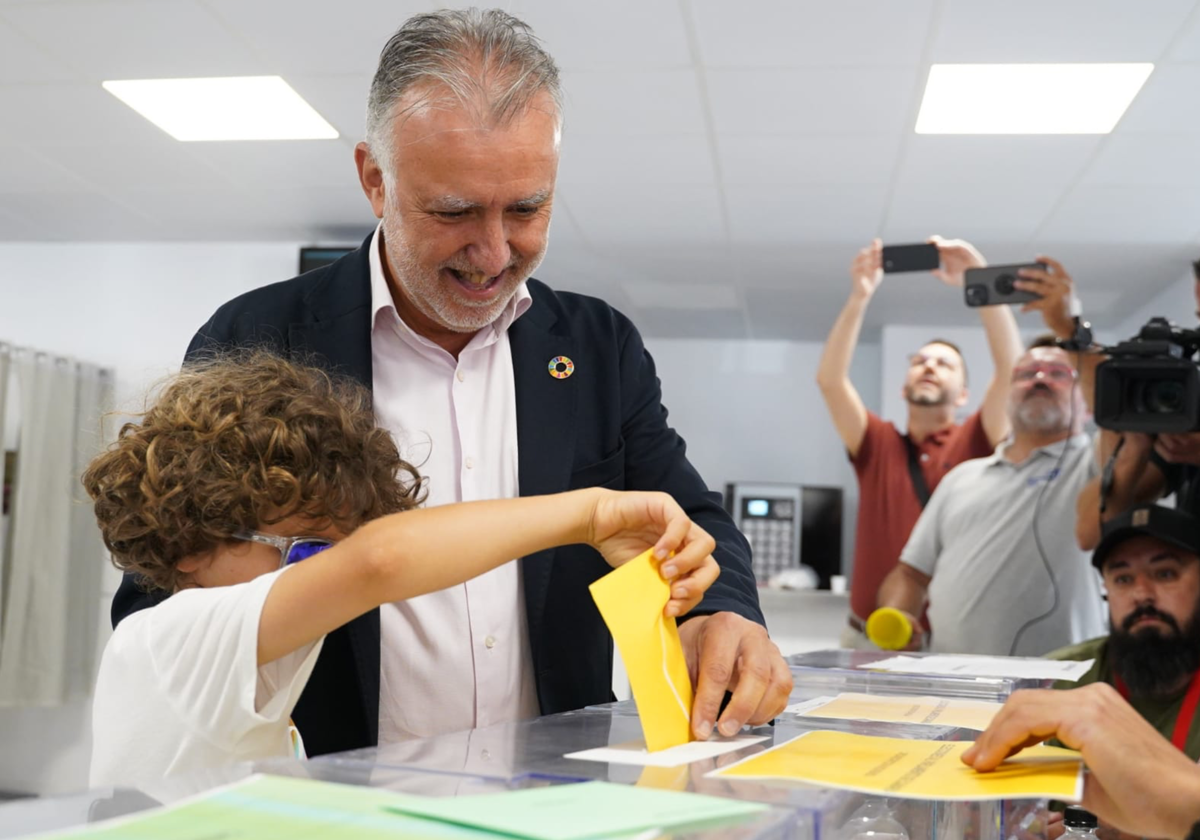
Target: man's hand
pixel 1179 448
pixel 1138 781
pixel 727 652
pixel 866 271
pixel 1057 291
pixel 957 256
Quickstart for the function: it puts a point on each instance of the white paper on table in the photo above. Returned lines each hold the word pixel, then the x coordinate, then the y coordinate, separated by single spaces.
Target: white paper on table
pixel 807 705
pixel 634 752
pixel 984 666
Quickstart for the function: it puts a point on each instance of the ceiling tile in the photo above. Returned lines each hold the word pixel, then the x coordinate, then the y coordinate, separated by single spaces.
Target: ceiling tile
pixel 813 101
pixel 995 209
pixel 1187 43
pixel 1042 163
pixel 1059 31
pixel 615 34
pixel 1166 102
pixel 807 214
pixel 341 100
pixel 1147 160
pixel 695 262
pixel 767 33
pixel 804 159
pixel 684 323
pixel 136 39
pixel 310 37
pixel 797 266
pixel 632 103
pixel 689 296
pixel 24 170
pixel 78 215
pixel 319 209
pixel 629 213
pixel 115 167
pixel 23 61
pixel 67 115
pixel 645 161
pixel 782 313
pixel 1126 214
pixel 296 163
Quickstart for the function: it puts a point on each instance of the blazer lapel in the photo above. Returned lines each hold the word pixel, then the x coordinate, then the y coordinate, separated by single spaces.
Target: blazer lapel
pixel 339 331
pixel 546 409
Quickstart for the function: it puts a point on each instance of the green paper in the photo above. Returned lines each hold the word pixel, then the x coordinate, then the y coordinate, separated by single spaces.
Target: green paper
pixel 577 811
pixel 277 808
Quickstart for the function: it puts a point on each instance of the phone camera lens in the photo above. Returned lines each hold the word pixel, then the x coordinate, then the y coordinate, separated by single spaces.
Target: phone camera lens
pixel 977 295
pixel 1004 284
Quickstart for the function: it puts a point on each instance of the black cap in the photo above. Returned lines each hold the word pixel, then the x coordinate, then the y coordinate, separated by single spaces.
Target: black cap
pixel 1167 524
pixel 1076 817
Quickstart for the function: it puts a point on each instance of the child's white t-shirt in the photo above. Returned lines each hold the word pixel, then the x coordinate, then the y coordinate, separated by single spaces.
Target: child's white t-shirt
pixel 179 688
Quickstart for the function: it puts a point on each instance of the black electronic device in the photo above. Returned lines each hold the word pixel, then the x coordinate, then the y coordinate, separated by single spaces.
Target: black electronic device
pixel 901 258
pixel 995 285
pixel 316 257
pixel 1151 383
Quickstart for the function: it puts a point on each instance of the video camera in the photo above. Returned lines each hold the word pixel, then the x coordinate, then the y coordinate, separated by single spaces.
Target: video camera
pixel 1151 383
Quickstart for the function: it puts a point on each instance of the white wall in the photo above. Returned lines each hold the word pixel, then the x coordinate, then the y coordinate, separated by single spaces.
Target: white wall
pixel 751 411
pixel 132 307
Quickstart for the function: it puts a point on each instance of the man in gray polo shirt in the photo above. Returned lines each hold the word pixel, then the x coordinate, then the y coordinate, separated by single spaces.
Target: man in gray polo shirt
pixel 994 550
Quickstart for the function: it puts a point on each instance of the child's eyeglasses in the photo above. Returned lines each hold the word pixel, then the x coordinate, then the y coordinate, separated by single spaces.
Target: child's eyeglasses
pixel 291 549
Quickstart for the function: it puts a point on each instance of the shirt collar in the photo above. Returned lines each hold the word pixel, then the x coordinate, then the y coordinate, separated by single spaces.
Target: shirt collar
pixel 1054 450
pixel 381 295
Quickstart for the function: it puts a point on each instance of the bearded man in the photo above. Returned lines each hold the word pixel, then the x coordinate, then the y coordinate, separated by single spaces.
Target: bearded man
pixel 1151 656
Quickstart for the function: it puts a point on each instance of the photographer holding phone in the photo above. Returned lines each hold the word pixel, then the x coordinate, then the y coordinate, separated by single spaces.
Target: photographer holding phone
pixel 897 471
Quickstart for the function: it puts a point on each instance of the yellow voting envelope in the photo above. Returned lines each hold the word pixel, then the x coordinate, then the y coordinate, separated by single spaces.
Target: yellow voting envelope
pixel 913 769
pixel 631 600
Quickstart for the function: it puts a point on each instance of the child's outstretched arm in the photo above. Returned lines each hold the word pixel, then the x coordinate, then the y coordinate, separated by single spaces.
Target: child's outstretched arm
pixel 420 551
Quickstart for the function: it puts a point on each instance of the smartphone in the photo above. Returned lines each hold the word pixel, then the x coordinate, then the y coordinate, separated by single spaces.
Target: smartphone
pixel 993 286
pixel 898 258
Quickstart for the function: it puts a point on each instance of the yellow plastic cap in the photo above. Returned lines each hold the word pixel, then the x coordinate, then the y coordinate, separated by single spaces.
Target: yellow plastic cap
pixel 889 628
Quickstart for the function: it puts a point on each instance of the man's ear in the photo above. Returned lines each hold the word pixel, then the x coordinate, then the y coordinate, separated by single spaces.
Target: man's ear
pixel 963 396
pixel 370 176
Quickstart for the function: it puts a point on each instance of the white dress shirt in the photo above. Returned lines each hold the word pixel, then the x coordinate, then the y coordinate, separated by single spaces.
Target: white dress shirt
pixel 458 658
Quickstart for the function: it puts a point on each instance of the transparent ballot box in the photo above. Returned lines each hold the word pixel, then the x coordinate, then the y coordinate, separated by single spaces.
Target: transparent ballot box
pixel 535 751
pixel 81 811
pixel 832 672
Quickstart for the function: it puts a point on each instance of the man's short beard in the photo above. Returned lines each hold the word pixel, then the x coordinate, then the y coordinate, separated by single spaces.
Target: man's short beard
pixel 941 398
pixel 1153 663
pixel 1039 415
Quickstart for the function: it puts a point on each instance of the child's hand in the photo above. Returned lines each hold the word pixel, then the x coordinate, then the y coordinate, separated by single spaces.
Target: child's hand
pixel 623 525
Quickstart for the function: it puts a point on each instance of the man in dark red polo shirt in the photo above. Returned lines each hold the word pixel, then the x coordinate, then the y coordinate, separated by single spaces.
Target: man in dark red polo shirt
pixel 935 387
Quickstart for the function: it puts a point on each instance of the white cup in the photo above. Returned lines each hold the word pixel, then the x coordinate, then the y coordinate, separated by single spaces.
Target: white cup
pixel 837 584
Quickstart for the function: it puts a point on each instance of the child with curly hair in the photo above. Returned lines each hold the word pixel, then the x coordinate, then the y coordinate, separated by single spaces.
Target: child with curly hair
pixel 243 467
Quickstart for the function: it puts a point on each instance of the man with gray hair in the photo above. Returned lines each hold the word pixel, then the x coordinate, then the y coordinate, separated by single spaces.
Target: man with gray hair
pixel 496 386
pixel 993 551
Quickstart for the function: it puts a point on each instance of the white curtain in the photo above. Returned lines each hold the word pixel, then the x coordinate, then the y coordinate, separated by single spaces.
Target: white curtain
pixel 51 597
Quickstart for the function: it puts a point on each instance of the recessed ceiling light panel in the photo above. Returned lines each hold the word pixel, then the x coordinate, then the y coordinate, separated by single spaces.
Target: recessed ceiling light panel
pixel 228 108
pixel 1028 98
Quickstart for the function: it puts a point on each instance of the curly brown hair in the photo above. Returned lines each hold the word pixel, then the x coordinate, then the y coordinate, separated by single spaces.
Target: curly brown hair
pixel 234 442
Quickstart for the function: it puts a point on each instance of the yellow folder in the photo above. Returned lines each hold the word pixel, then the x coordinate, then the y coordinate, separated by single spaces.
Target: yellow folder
pixel 631 599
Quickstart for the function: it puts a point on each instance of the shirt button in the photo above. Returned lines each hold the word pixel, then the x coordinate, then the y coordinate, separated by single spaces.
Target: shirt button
pixel 469 463
pixel 485 755
pixel 459 375
pixel 924 457
pixel 489 642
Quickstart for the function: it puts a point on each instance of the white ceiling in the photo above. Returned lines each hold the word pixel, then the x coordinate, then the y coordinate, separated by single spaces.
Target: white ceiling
pixel 722 161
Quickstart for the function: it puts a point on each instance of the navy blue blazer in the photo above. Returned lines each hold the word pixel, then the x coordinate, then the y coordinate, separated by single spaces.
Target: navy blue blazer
pixel 603 426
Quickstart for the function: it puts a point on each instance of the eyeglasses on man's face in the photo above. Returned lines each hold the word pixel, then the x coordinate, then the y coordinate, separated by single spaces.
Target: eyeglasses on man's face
pixel 1059 374
pixel 291 549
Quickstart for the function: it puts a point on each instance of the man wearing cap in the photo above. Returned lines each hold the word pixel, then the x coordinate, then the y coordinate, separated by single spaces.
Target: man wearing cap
pixel 1149 560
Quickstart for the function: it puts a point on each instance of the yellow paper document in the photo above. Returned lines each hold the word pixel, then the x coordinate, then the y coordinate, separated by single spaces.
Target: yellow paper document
pixel 631 600
pixel 913 769
pixel 939 711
